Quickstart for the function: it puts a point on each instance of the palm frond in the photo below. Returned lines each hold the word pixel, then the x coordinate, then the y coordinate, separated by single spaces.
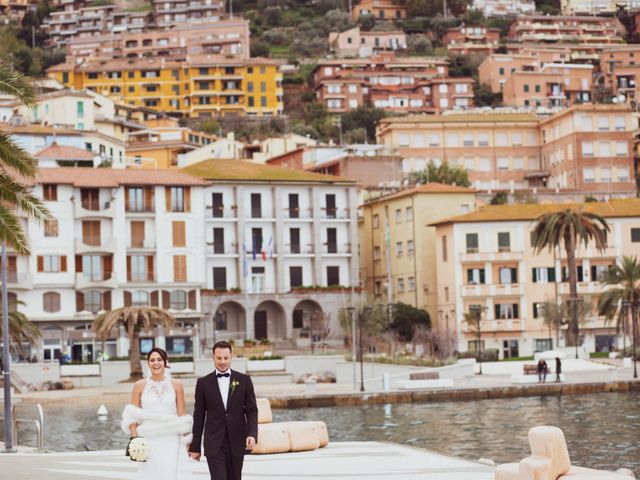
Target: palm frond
pixel 14 193
pixel 11 231
pixel 14 157
pixel 16 84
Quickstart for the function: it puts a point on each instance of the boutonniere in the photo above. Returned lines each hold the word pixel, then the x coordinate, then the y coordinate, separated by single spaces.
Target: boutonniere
pixel 234 385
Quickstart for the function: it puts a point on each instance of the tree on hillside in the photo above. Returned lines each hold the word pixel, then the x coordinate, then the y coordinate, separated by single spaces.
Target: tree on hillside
pixel 484 97
pixel 431 8
pixel 444 173
pixel 363 117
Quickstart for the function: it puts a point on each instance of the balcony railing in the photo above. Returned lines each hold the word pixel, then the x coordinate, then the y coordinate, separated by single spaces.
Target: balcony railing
pixel 222 249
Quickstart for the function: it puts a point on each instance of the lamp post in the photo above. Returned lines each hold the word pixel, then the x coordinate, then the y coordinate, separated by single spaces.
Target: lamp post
pixel 6 359
pixel 625 316
pixel 352 317
pixel 478 317
pixel 634 319
pixel 366 311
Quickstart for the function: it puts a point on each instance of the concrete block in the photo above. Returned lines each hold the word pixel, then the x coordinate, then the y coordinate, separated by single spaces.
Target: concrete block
pixel 303 436
pixel 264 411
pixel 422 384
pixel 272 438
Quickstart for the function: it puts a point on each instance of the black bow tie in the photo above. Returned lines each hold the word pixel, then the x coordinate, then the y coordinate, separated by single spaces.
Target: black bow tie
pixel 223 374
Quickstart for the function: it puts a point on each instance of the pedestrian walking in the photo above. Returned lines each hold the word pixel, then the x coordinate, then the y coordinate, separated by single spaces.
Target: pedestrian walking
pixel 558 369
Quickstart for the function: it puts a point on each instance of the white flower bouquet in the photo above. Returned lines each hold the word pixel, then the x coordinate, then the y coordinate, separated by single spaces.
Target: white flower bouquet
pixel 138 449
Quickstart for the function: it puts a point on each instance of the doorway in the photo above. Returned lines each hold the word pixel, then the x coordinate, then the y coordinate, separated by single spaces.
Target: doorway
pixel 260 324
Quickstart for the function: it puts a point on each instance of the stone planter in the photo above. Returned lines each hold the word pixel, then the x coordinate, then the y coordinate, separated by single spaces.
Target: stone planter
pixel 265 365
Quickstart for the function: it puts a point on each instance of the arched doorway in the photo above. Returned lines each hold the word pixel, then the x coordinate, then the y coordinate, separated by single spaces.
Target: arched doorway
pixel 307 322
pixel 229 321
pixel 269 321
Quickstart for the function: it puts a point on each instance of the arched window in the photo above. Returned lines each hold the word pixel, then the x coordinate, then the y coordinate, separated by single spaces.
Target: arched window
pixel 92 301
pixel 51 302
pixel 178 300
pixel 140 298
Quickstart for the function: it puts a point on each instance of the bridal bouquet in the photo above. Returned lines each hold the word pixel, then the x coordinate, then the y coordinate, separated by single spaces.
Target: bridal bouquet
pixel 138 449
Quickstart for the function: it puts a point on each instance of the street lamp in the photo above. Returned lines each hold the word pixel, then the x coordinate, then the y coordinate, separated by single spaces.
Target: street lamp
pixel 625 316
pixel 365 312
pixel 478 317
pixel 352 317
pixel 634 320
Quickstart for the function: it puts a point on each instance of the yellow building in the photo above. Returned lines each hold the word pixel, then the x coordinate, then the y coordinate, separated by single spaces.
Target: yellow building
pixel 402 268
pixel 203 86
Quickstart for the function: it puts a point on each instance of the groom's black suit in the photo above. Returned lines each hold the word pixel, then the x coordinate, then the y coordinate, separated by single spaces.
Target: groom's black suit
pixel 225 431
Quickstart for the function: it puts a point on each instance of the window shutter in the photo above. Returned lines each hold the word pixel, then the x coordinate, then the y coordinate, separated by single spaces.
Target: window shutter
pixel 150 272
pixel 126 199
pixel 79 301
pixel 580 274
pixel 535 310
pixel 497 310
pixel 154 298
pixel 127 298
pixel 129 268
pixel 469 275
pixel 482 279
pixel 148 199
pixel 179 234
pixel 187 199
pixel 167 197
pixel 107 266
pixel 78 263
pixel 63 263
pixel 514 275
pixel 166 299
pixel 515 310
pixel 106 300
pixel 551 274
pixel 534 275
pixel 192 300
pixel 40 263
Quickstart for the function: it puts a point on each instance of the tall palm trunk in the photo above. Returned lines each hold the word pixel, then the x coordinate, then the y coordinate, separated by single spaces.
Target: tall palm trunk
pixel 570 244
pixel 134 353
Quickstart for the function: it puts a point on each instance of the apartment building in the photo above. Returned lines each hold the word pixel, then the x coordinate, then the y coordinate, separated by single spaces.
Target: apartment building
pixel 496 69
pixel 504 8
pixel 589 148
pixel 396 84
pixel 280 250
pixel 586 148
pixel 357 43
pixel 225 37
pixel 467 40
pixel 596 7
pixel 14 10
pixel 203 86
pixel 486 265
pixel 117 238
pixel 548 29
pixel 381 9
pixel 397 248
pixel 553 85
pixel 169 13
pixel 64 25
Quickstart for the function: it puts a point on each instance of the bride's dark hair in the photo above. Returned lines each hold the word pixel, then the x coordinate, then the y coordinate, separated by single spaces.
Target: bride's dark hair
pixel 162 354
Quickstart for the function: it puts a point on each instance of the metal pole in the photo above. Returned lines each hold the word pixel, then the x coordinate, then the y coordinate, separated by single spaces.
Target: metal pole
pixel 361 356
pixel 6 359
pixel 634 318
pixel 478 318
pixel 352 311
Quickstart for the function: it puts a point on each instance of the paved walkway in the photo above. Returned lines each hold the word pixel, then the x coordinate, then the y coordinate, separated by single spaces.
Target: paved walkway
pixel 337 461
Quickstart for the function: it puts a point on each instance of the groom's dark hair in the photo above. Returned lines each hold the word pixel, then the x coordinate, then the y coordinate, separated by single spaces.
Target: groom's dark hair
pixel 221 344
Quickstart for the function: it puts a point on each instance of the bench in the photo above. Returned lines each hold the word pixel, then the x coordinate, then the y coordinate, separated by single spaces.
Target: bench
pixel 424 376
pixel 530 369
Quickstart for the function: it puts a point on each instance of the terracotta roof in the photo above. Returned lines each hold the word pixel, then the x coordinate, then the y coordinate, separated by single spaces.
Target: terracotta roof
pixel 628 207
pixel 239 170
pixel 464 118
pixel 111 178
pixel 39 129
pixel 63 152
pixel 418 61
pixel 433 188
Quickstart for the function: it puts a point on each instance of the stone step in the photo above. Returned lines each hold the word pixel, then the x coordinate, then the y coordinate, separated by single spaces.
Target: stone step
pixel 271 378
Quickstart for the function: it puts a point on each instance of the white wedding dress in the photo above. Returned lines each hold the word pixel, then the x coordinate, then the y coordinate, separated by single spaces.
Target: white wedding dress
pixel 164 450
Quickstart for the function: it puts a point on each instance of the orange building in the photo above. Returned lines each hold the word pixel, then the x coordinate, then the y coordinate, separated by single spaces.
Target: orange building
pixel 496 69
pixel 381 9
pixel 466 40
pixel 549 29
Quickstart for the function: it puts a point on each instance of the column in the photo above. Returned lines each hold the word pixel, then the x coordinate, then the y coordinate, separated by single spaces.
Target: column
pixel 238 192
pixel 316 232
pixel 278 243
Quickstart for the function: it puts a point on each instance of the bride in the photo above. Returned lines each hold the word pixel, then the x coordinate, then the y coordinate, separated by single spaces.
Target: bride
pixel 157 413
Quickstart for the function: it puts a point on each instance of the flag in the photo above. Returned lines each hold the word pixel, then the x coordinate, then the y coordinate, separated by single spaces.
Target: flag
pixel 245 266
pixel 270 246
pixel 253 246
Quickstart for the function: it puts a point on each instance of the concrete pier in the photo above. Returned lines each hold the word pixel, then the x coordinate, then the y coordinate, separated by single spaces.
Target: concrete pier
pixel 337 461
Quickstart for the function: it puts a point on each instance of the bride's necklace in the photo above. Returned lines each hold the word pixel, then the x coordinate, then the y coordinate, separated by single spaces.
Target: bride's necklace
pixel 159 387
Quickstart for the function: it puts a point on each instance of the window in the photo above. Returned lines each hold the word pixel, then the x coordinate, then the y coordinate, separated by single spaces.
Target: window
pixel 51 302
pixel 295 277
pixel 579 274
pixel 52 263
pixel 294 205
pixel 503 163
pixel 623 174
pixel 330 205
pixel 587 149
pixel 475 276
pixel 51 228
pixel 410 247
pixel 504 311
pixel 472 242
pixel 619 123
pixel 409 214
pixel 80 109
pixel 589 175
pixel 263 101
pixel 138 268
pixel 516 139
pixel 399 249
pixel 603 124
pixel 483 139
pixel 504 242
pixel 622 149
pixel 256 205
pixel 217 205
pixel 91 232
pixel 543 274
pixel 538 310
pixel 298 319
pixel 137 234
pixel 218 241
pixel 140 298
pixel 332 240
pixel 220 278
pixel 635 235
pixel 510 349
pixel 508 275
pixel 434 140
pixel 177 199
pixel 333 276
pixel 400 285
pixel 467 139
pixel 501 139
pixel 444 248
pixel 526 88
pixel 179 268
pixel 294 240
pixel 542 344
pixel 411 284
pixel 50 192
pixel 398 215
pixel 453 140
pixel 178 300
pixel 179 233
pixel 605 174
pixel 376 221
pixel 92 301
pixel 537 88
pixel 604 149
pixel 598 272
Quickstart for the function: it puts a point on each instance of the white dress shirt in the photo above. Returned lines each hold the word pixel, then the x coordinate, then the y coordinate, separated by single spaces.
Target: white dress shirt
pixel 223 385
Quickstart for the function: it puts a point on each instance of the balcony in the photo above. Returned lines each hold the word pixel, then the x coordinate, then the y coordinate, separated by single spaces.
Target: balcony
pixel 226 250
pixel 143 211
pixel 297 214
pixel 336 249
pixel 96 281
pixel 502 290
pixel 145 244
pixel 222 213
pixel 298 249
pixel 475 256
pixel 584 288
pixel 81 247
pixel 335 213
pixel 141 278
pixel 93 210
pixel 20 280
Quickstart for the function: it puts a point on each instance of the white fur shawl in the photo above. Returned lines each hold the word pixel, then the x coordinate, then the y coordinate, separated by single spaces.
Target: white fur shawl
pixel 155 423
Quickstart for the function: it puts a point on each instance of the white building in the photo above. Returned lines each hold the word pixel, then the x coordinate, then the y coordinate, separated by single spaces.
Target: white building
pixel 503 8
pixel 280 249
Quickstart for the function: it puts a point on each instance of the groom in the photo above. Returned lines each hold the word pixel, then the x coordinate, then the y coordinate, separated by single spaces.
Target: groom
pixel 226 409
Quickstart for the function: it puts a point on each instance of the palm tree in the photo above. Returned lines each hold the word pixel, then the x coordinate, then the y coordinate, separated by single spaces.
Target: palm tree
pixel 21 329
pixel 17 169
pixel 133 319
pixel 623 280
pixel 569 227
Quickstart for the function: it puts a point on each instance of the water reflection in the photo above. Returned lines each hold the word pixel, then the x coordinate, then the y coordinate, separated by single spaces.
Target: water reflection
pixel 603 431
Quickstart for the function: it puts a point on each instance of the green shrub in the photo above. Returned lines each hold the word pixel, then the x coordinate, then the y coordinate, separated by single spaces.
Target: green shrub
pixel 262 357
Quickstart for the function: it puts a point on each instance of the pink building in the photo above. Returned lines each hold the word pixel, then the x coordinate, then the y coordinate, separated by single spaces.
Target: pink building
pixel 466 40
pixel 356 43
